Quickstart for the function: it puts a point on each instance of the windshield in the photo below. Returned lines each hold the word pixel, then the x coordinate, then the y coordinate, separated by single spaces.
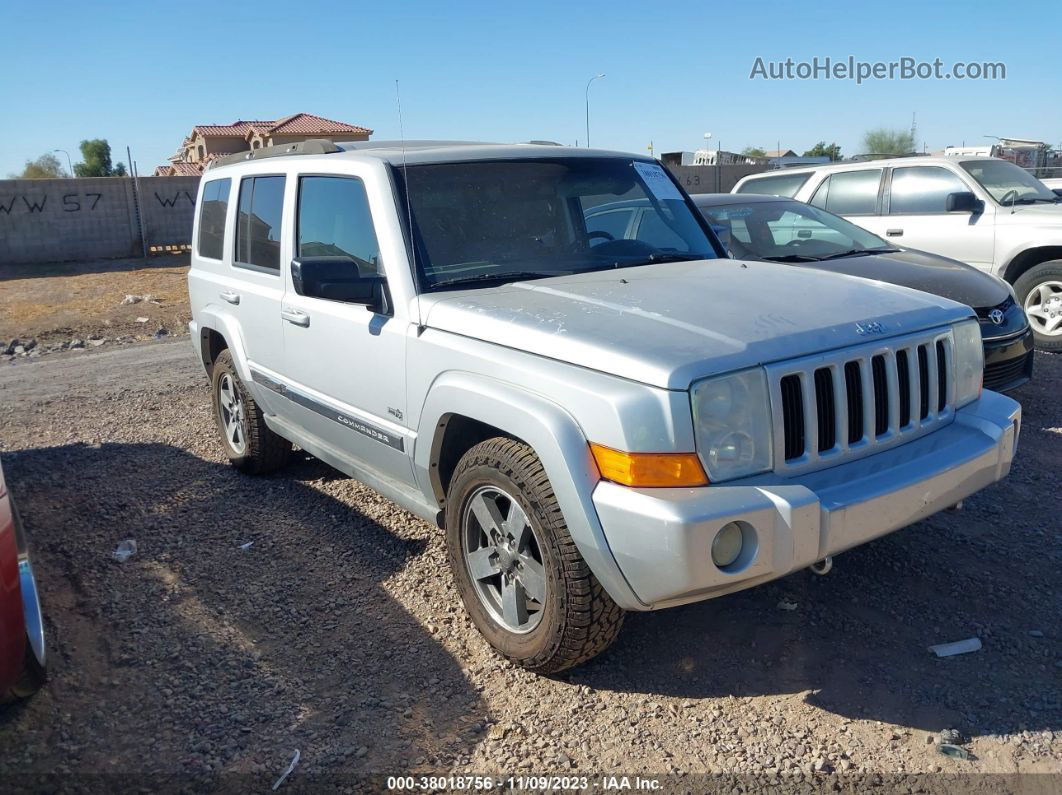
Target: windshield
pixel 1007 183
pixel 495 221
pixel 788 231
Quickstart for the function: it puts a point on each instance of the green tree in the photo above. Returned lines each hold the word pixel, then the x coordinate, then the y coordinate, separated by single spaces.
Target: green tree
pixel 753 151
pixel 118 170
pixel 888 142
pixel 96 155
pixel 822 149
pixel 44 167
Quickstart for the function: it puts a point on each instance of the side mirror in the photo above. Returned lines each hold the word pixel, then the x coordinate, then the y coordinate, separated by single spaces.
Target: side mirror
pixel 1057 191
pixel 964 202
pixel 340 279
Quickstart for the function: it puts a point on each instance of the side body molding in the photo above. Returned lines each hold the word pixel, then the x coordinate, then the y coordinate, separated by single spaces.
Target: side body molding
pixel 555 437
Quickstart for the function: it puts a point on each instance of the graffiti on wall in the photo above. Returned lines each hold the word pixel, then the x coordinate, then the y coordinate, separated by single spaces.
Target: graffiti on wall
pixel 78 202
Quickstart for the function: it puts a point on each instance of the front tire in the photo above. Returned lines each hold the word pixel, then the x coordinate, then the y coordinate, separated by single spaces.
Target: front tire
pixel 249 443
pixel 519 573
pixel 1039 290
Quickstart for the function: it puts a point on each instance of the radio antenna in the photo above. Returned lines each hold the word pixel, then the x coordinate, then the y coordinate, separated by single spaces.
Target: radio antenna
pixel 405 180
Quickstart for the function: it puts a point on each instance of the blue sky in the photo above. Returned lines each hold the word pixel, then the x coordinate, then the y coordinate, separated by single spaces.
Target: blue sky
pixel 141 74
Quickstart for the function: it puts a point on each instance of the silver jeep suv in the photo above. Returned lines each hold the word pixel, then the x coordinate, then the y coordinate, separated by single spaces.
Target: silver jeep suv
pixel 598 422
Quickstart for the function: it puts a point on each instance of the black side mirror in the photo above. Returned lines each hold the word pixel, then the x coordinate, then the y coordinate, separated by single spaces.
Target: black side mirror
pixel 964 202
pixel 340 279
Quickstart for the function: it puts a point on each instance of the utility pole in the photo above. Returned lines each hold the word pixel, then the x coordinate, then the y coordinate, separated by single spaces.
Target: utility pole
pixel 588 83
pixel 68 163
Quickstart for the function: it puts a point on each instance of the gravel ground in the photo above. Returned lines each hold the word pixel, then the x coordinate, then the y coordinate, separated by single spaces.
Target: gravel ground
pixel 48 308
pixel 338 632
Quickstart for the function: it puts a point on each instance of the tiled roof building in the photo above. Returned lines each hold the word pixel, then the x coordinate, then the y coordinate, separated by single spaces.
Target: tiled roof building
pixel 208 142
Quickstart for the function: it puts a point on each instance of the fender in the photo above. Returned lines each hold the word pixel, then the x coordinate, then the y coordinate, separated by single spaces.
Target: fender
pixel 213 318
pixel 555 437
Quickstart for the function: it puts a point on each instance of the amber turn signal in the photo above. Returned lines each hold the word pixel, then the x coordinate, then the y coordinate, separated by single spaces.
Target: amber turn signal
pixel 649 470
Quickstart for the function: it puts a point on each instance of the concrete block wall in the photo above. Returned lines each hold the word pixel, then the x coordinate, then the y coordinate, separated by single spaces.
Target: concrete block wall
pixel 62 220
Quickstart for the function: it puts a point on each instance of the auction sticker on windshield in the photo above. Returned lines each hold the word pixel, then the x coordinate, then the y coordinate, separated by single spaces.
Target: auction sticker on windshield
pixel 657 180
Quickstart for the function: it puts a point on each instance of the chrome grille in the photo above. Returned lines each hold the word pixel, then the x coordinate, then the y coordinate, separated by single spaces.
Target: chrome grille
pixel 854 402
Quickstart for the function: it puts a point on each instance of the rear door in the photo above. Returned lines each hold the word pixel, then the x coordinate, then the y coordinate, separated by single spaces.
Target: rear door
pixel 916 216
pixel 235 270
pixel 855 195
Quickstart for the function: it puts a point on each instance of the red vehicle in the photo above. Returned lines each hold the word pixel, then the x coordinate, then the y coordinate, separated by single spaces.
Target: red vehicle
pixel 21 625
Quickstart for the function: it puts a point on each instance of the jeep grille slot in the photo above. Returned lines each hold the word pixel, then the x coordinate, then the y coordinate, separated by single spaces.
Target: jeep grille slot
pixel 881 396
pixel 793 416
pixel 825 409
pixel 942 375
pixel 923 382
pixel 857 401
pixel 853 382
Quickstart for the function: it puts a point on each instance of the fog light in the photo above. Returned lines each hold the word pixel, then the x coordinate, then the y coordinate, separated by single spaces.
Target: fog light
pixel 726 547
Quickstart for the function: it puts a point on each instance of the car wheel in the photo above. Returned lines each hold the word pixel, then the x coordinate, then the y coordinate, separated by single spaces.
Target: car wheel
pixel 249 443
pixel 34 672
pixel 1040 292
pixel 519 573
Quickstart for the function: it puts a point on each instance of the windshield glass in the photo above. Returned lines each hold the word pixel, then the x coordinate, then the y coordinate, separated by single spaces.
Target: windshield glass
pixel 1007 183
pixel 495 221
pixel 787 230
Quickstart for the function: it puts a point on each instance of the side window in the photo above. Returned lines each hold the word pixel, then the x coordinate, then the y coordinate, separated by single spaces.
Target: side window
pixel 785 185
pixel 212 213
pixel 922 189
pixel 612 222
pixel 258 216
pixel 334 221
pixel 653 230
pixel 821 192
pixel 854 192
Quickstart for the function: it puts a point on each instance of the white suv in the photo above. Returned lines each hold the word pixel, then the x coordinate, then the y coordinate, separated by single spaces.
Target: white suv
pixel 599 421
pixel 980 210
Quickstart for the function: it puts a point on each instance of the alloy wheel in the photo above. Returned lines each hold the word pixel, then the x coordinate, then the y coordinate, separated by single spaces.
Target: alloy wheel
pixel 503 555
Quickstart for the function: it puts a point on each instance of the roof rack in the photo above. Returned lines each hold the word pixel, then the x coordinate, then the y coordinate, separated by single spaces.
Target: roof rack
pixel 311 146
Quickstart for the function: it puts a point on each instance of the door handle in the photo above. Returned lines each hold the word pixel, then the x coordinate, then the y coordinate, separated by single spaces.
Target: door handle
pixel 230 296
pixel 894 233
pixel 295 317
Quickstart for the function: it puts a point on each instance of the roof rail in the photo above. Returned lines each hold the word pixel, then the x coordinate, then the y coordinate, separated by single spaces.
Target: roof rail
pixel 311 146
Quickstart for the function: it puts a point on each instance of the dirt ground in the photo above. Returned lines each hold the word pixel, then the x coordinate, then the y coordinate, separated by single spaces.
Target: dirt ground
pixel 338 632
pixel 54 304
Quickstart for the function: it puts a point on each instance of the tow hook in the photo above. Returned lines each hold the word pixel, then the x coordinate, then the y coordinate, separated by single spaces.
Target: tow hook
pixel 823 566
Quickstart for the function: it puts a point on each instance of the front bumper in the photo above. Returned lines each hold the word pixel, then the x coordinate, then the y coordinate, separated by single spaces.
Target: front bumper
pixel 1008 360
pixel 661 538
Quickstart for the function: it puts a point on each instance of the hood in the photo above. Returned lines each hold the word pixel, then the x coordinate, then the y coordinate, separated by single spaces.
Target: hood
pixel 1024 214
pixel 669 324
pixel 921 270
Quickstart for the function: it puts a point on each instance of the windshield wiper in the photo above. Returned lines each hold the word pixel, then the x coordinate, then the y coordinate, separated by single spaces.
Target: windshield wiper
pixel 660 256
pixel 508 276
pixel 1033 200
pixel 852 252
pixel 793 258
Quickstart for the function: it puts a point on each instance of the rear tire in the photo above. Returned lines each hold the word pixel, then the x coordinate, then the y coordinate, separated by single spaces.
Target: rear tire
pixel 1039 291
pixel 566 617
pixel 249 443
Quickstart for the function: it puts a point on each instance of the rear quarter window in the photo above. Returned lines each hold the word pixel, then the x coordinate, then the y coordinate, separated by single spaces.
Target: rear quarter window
pixel 785 185
pixel 213 210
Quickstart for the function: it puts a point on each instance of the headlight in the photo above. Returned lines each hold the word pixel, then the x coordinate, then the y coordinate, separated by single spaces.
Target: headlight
pixel 732 420
pixel 969 362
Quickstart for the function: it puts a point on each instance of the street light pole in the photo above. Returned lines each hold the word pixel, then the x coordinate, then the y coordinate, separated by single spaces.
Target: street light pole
pixel 68 162
pixel 588 83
